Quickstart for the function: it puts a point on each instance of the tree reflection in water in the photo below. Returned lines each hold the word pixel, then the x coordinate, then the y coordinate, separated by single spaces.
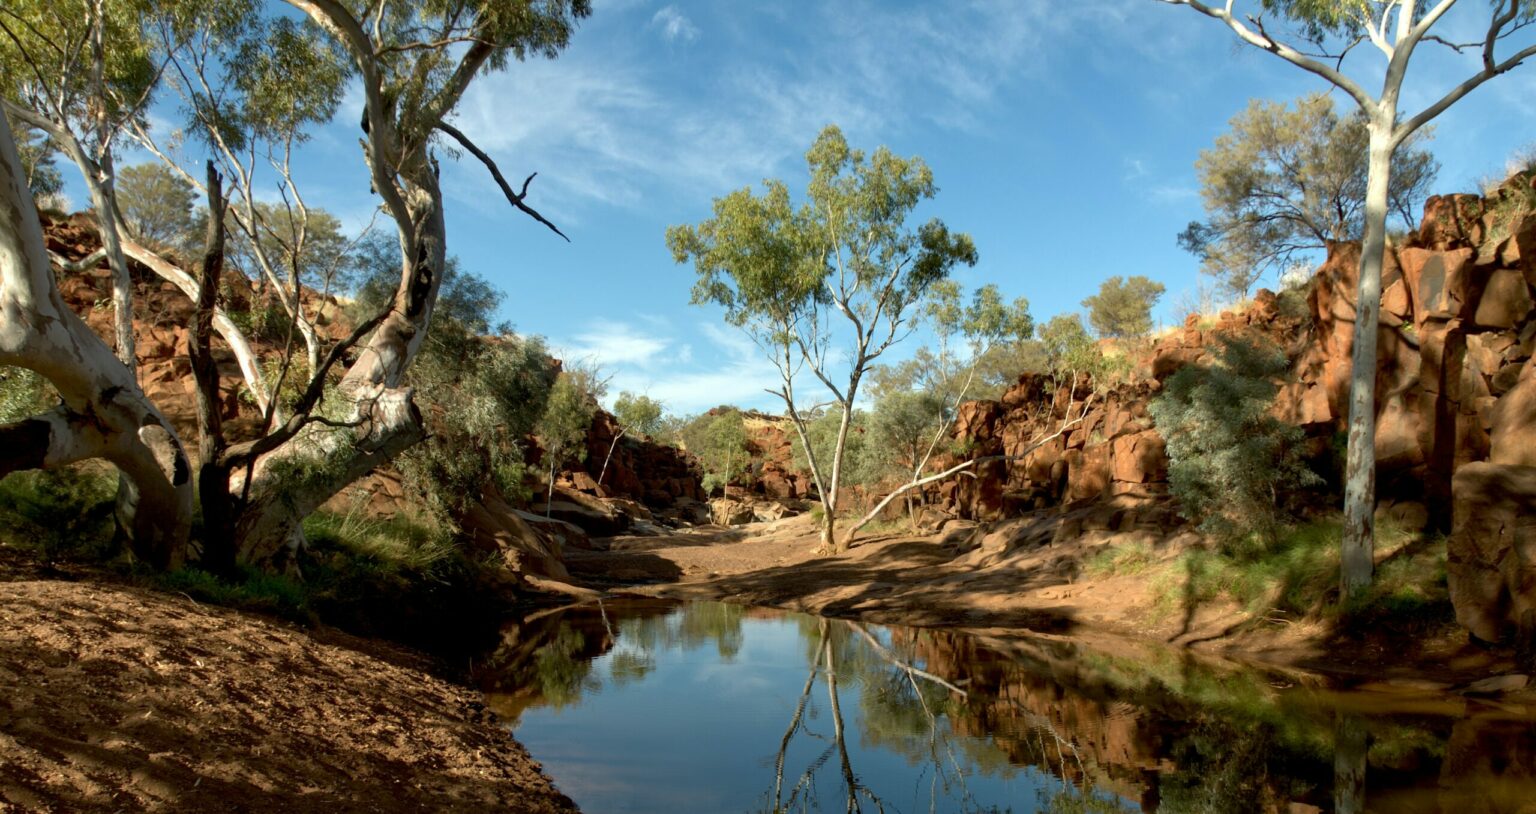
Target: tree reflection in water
pixel 885 719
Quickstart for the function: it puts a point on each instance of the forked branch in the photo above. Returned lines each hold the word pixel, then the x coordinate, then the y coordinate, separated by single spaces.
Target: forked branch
pixel 516 198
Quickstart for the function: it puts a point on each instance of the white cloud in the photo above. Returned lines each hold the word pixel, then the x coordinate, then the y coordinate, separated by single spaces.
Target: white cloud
pixel 658 364
pixel 674 25
pixel 612 125
pixel 617 343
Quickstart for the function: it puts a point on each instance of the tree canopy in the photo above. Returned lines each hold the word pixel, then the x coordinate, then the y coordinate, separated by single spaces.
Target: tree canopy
pixel 1123 307
pixel 1287 179
pixel 842 269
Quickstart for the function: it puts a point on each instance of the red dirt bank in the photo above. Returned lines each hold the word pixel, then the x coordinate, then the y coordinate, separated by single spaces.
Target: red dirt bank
pixel 118 698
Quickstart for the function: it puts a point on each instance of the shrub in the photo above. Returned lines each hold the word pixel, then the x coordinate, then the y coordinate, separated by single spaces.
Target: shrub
pixel 483 396
pixel 1234 467
pixel 62 512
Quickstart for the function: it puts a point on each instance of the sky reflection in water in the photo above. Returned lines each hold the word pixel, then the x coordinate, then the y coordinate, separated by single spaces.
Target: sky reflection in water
pixel 706 707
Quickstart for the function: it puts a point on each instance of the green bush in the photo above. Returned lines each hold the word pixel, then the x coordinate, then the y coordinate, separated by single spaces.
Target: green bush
pixel 1235 468
pixel 481 397
pixel 61 513
pixel 23 393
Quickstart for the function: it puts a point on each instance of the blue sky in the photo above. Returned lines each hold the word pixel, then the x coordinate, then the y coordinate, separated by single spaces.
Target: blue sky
pixel 1062 136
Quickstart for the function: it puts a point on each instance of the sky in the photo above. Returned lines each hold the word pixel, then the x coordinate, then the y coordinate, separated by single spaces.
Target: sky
pixel 1062 135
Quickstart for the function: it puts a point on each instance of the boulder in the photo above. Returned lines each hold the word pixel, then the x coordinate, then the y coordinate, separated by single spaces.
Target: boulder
pixel 1139 458
pixel 1491 559
pixel 558 531
pixel 590 514
pixel 767 511
pixel 493 527
pixel 1513 422
pixel 1088 473
pixel 730 512
pixel 1505 302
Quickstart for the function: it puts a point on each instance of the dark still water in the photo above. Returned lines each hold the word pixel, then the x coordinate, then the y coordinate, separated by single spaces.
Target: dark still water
pixel 705 707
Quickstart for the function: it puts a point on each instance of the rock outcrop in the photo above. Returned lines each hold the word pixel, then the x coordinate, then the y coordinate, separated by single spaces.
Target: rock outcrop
pixel 640 469
pixel 1491 566
pixel 1456 387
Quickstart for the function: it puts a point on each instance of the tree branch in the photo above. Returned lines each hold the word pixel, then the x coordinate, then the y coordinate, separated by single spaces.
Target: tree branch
pixel 516 198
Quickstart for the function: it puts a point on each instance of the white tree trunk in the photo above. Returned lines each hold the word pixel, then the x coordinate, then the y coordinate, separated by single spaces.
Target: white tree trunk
pixel 103 412
pixel 317 464
pixel 1360 467
pixel 829 501
pixel 250 366
pixel 611 447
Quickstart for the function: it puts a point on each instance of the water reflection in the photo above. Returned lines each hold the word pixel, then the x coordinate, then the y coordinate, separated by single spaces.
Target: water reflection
pixel 648 706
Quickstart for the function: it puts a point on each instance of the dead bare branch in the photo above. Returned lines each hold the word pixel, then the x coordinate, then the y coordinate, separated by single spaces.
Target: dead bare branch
pixel 515 198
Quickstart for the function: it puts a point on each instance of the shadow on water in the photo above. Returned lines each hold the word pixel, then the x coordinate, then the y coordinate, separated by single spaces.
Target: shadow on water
pixel 653 706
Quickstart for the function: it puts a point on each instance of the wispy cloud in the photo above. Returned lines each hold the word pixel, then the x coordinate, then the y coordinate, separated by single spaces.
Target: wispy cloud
pixel 616 127
pixel 617 343
pixel 657 362
pixel 674 25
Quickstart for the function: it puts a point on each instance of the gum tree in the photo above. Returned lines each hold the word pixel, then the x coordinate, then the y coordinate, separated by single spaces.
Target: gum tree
pixel 413 63
pixel 101 412
pixel 1331 30
pixel 1287 179
pixel 844 267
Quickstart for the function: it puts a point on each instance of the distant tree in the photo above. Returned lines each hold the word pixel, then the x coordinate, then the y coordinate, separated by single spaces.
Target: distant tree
pixel 1067 348
pixel 942 380
pixel 157 205
pixel 638 414
pixel 1123 307
pixel 1232 464
pixel 1287 179
pixel 39 162
pixel 862 464
pixel 723 450
pixel 847 257
pixel 562 429
pixel 1329 32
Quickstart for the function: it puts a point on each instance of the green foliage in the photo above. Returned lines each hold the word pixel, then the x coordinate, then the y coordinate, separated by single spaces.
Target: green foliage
pixel 1123 307
pixel 903 426
pixel 64 512
pixel 562 427
pixel 638 414
pixel 862 460
pixel 1066 349
pixel 402 578
pixel 1287 180
pixel 23 393
pixel 45 59
pixel 721 448
pixel 158 205
pixel 483 396
pixel 1296 575
pixel 254 591
pixel 1233 466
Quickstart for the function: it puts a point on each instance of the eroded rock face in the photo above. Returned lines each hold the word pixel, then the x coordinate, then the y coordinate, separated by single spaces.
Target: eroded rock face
pixel 1491 565
pixel 1456 393
pixel 639 469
